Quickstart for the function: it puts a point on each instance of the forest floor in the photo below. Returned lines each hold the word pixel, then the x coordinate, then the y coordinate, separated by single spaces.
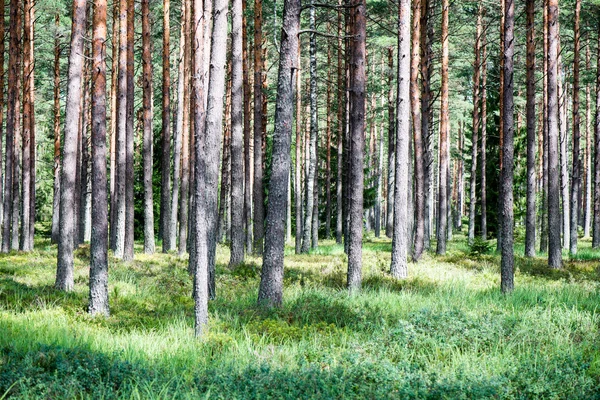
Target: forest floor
pixel 445 332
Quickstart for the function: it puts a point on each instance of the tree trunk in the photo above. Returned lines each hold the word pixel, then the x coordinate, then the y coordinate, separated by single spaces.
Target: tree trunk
pixel 247 136
pixel 389 225
pixel 148 131
pixel 587 198
pixel 165 181
pixel 328 150
pixel 98 298
pixel 64 270
pixel 484 230
pixel 476 121
pixel 544 147
pixel 596 229
pixel 207 156
pixel 56 110
pixel 298 178
pixel 119 217
pixel 444 139
pixel 224 193
pixel 270 292
pixel 554 247
pixel 340 132
pixel 400 242
pixel 506 180
pixel 84 159
pixel 357 144
pixel 113 121
pixel 426 113
pixel 257 191
pixel 530 215
pixel 237 138
pixel 27 136
pixel 129 178
pixel 576 157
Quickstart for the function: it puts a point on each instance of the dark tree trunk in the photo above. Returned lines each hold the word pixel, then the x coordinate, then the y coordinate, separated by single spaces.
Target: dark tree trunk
pixel 129 178
pixel 247 136
pixel 148 131
pixel 165 182
pixel 530 216
pixel 400 241
pixel 257 191
pixel 28 135
pixel 587 168
pixel 114 109
pixel 57 133
pixel 506 180
pixel 444 138
pixel 340 131
pixel 576 157
pixel 484 230
pixel 357 144
pixel 270 292
pixel 328 149
pixel 389 225
pixel 64 270
pixel 554 247
pixel 298 178
pixel 98 301
pixel 596 228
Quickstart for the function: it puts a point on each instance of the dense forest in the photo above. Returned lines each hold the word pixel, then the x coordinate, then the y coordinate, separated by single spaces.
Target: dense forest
pixel 163 160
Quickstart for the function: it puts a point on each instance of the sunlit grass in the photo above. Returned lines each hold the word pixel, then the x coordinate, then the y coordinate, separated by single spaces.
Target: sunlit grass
pixel 445 331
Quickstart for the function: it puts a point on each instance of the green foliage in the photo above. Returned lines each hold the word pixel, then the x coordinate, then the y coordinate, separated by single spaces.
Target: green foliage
pixel 480 247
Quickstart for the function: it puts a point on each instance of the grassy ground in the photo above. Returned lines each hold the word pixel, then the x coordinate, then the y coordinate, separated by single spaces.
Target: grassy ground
pixel 445 332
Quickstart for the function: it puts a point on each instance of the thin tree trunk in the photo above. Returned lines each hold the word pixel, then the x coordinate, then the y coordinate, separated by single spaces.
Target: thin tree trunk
pixel 426 112
pixel 501 123
pixel 544 153
pixel 247 135
pixel 119 217
pixel 207 155
pixel 84 182
pixel 271 283
pixel 328 150
pixel 484 229
pixel 587 199
pixel 357 128
pixel 25 244
pixel 148 131
pixel 507 256
pixel 98 298
pixel 563 105
pixel 576 157
pixel 56 110
pixel 554 247
pixel 236 145
pixel 165 183
pixel 444 137
pixel 340 132
pixel 389 225
pixel 113 121
pixel 32 142
pixel 129 178
pixel 400 240
pixel 596 228
pixel 64 270
pixel 257 191
pixel 298 178
pixel 531 195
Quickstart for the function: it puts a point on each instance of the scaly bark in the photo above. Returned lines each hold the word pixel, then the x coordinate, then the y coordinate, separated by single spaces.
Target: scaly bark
pixel 444 138
pixel 165 179
pixel 148 131
pixel 576 148
pixel 530 214
pixel 56 110
pixel 257 191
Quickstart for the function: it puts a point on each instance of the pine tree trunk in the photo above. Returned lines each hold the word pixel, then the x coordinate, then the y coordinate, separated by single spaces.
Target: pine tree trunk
pixel 484 229
pixel 64 271
pixel 587 199
pixel 57 131
pixel 531 181
pixel 576 157
pixel 129 178
pixel 400 239
pixel 554 247
pixel 165 182
pixel 426 112
pixel 476 122
pixel 208 164
pixel 298 178
pixel 247 135
pixel 98 298
pixel 270 292
pixel 113 121
pixel 340 132
pixel 357 144
pixel 544 148
pixel 25 244
pixel 389 224
pixel 148 131
pixel 257 191
pixel 328 150
pixel 84 218
pixel 444 138
pixel 506 180
pixel 224 193
pixel 596 219
pixel 32 142
pixel 119 217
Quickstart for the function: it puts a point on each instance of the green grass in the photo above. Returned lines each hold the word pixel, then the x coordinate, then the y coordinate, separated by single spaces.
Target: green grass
pixel 445 332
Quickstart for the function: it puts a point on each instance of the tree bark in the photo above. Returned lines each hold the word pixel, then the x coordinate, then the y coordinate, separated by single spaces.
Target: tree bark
pixel 25 244
pixel 129 178
pixel 507 256
pixel 247 135
pixel 389 225
pixel 476 122
pixel 298 178
pixel 113 121
pixel 444 139
pixel 207 156
pixel 357 144
pixel 587 198
pixel 257 191
pixel 64 270
pixel 400 242
pixel 98 298
pixel 328 149
pixel 484 229
pixel 531 181
pixel 237 138
pixel 165 182
pixel 148 131
pixel 270 292
pixel 56 110
pixel 596 228
pixel 554 247
pixel 576 157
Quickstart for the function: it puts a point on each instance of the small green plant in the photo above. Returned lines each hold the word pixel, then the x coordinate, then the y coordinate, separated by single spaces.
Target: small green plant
pixel 479 247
